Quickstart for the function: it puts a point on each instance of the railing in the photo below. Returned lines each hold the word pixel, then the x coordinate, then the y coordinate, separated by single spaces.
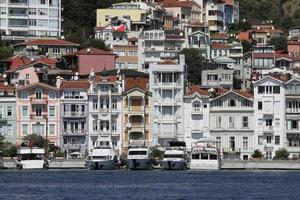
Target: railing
pixel 72 146
pixel 293 110
pixel 34 100
pixel 268 128
pixel 138 143
pixel 74 132
pixel 74 114
pixel 231 150
pixel 35 116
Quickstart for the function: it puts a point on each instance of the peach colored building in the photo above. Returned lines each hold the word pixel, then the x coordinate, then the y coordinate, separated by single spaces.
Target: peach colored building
pixel 127 56
pixel 38 111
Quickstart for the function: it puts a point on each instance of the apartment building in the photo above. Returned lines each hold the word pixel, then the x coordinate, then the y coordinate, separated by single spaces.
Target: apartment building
pixel 74 117
pixel 38 112
pixel 215 15
pixel 231 123
pixel 137 113
pixel 167 87
pixel 127 57
pixel 105 110
pixel 217 77
pixel 201 41
pixel 21 19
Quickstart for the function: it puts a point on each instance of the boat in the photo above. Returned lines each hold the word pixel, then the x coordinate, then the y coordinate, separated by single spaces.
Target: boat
pixel 138 157
pixel 175 157
pixel 29 157
pixel 204 156
pixel 103 156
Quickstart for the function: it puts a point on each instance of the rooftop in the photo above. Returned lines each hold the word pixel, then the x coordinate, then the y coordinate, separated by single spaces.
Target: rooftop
pixel 80 84
pixel 48 42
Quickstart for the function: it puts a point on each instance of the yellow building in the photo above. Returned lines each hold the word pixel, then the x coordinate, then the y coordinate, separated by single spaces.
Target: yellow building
pixel 131 11
pixel 136 113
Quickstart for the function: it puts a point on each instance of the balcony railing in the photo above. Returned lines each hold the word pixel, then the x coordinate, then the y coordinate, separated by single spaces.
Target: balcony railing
pixel 74 132
pixel 268 128
pixel 34 100
pixel 72 146
pixel 231 150
pixel 137 143
pixel 74 114
pixel 36 116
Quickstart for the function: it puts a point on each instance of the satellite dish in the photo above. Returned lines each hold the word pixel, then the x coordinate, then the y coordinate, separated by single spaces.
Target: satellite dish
pixel 88 50
pixel 92 73
pixel 75 78
pixel 4 76
pixel 32 59
pixel 76 73
pixel 62 37
pixel 211 90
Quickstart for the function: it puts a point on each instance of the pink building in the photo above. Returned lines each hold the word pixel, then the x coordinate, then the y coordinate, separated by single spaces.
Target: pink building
pixel 294 51
pixel 91 59
pixel 38 111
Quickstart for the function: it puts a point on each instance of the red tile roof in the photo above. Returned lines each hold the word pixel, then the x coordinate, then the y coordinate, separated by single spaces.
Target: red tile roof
pixel 139 82
pixel 223 36
pixel 168 62
pixel 48 42
pixel 177 3
pixel 80 84
pixel 246 94
pixel 196 89
pixel 47 61
pixel 219 45
pixel 109 79
pixel 244 36
pixel 17 61
pixel 6 88
pixel 282 54
pixel 91 51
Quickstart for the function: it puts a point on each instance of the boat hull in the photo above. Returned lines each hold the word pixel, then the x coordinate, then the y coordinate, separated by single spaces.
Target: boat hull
pixel 100 165
pixel 138 164
pixel 204 165
pixel 173 165
pixel 31 164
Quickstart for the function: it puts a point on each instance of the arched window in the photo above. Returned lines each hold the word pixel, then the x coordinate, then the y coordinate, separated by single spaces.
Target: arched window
pixel 231 103
pixel 38 93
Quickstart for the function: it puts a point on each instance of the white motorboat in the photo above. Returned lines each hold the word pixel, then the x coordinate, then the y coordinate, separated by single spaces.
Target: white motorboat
pixel 175 157
pixel 103 156
pixel 138 157
pixel 31 158
pixel 204 156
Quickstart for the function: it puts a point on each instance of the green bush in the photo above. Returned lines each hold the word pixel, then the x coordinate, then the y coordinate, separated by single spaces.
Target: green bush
pixel 257 154
pixel 281 154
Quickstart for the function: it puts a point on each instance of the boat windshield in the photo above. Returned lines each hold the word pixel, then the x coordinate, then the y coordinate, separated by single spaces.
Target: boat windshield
pixel 135 153
pixel 101 157
pixel 31 156
pixel 173 156
pixel 205 156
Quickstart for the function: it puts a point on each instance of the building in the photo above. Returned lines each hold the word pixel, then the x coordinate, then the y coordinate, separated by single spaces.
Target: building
pixel 21 19
pixel 262 57
pixel 196 115
pixel 105 110
pixel 200 41
pixel 269 115
pixel 292 119
pixel 38 112
pixel 167 87
pixel 74 117
pixel 8 113
pixel 217 76
pixel 219 49
pixel 52 48
pixel 90 59
pixel 215 15
pixel 137 113
pixel 127 56
pixel 231 123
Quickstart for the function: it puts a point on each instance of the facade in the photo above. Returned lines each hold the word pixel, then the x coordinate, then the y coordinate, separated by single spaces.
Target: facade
pixel 52 48
pixel 127 57
pixel 196 115
pixel 215 15
pixel 21 19
pixel 105 110
pixel 219 49
pixel 217 77
pixel 269 115
pixel 200 40
pixel 74 117
pixel 231 124
pixel 167 87
pixel 38 112
pixel 136 113
pixel 8 113
pixel 263 57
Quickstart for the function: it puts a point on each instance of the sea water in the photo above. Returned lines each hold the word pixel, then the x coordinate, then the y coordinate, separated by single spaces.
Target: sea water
pixel 173 185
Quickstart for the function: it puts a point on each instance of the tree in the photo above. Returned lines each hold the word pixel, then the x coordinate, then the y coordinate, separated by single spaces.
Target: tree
pixel 6 52
pixel 246 46
pixel 281 154
pixel 1 143
pixel 279 42
pixel 156 153
pixel 96 43
pixel 194 62
pixel 257 154
pixel 10 150
pixel 36 140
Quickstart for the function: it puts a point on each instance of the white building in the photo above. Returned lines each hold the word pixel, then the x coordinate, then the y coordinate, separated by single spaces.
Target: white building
pixel 105 110
pixel 20 19
pixel 215 15
pixel 269 115
pixel 217 77
pixel 231 124
pixel 167 87
pixel 196 115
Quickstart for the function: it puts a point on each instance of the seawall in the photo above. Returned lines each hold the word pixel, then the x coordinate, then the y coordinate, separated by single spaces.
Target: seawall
pixel 261 165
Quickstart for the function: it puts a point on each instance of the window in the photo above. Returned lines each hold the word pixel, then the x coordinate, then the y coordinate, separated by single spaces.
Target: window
pixel 52 111
pixel 260 139
pixel 276 89
pixel 51 129
pixel 269 139
pixel 24 95
pixel 277 139
pixel 106 18
pixel 196 106
pixel 218 142
pixel 38 94
pixel 43 2
pixel 24 129
pixel 231 122
pixel 38 111
pixel 95 125
pixel 9 111
pixel 219 122
pixel 261 89
pixel 52 95
pixel 259 105
pixel 269 122
pixel 27 76
pixel 132 53
pixel 1 112
pixel 38 129
pixel 114 104
pixel 24 111
pixel 294 124
pixel 114 126
pixel 231 103
pixel 56 50
pixel 95 104
pixel 245 142
pixel 245 122
pixel 232 143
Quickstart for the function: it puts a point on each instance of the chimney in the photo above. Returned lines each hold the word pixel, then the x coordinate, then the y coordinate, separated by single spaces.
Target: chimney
pixel 58 81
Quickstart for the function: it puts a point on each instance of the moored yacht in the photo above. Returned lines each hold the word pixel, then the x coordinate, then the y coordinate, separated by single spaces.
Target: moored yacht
pixel 138 157
pixel 175 157
pixel 31 158
pixel 204 156
pixel 103 156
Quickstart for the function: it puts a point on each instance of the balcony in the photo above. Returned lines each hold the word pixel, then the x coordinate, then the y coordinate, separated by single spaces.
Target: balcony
pixel 268 129
pixel 138 143
pixel 293 110
pixel 136 110
pixel 74 114
pixel 72 146
pixel 41 101
pixel 74 132
pixel 231 150
pixel 39 117
pixel 197 111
